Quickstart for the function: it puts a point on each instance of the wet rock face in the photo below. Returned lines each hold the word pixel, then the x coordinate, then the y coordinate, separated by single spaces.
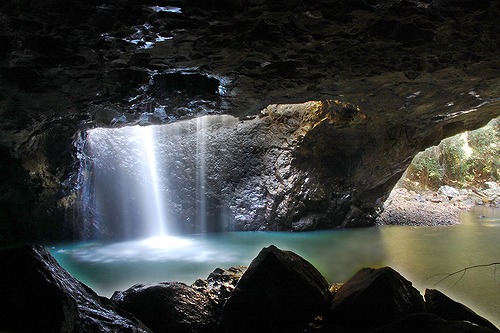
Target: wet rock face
pixel 417 70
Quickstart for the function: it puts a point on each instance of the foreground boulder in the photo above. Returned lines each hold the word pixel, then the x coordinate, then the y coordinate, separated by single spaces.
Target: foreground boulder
pixel 38 295
pixel 429 323
pixel 441 305
pixel 279 292
pixel 372 298
pixel 171 307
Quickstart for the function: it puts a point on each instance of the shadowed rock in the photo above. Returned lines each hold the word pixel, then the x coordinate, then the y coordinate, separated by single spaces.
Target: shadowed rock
pixel 441 305
pixel 372 298
pixel 428 323
pixel 38 295
pixel 171 307
pixel 280 291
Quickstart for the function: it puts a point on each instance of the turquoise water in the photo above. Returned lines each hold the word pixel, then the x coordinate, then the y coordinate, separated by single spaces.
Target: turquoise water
pixel 417 253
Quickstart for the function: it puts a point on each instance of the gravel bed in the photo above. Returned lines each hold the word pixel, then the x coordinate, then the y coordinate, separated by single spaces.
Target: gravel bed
pixel 427 208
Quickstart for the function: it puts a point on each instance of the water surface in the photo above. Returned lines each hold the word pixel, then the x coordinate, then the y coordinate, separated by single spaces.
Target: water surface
pixel 417 253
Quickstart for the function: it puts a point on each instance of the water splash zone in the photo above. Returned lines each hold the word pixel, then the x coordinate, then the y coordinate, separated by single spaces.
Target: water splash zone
pixel 148 181
pixel 126 185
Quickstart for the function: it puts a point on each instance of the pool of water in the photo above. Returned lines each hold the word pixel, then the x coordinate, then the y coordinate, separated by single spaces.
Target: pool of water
pixel 418 253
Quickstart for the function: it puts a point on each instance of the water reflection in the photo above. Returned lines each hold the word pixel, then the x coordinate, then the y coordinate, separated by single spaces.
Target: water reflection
pixel 416 252
pixel 337 254
pixel 420 253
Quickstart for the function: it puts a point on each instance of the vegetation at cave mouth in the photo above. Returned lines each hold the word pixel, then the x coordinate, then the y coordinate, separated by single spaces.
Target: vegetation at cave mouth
pixel 465 160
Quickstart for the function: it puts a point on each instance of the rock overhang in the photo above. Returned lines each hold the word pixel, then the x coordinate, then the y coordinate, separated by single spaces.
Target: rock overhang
pixel 419 71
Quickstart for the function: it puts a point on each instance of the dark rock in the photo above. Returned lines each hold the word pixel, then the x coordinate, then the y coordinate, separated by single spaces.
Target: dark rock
pixel 169 307
pixel 187 85
pixel 22 77
pixel 280 291
pixel 402 32
pixel 428 323
pixel 373 298
pixel 38 295
pixel 441 305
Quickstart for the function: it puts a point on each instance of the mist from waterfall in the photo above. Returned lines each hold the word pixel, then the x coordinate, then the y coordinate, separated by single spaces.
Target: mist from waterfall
pixel 148 181
pixel 125 182
pixel 156 217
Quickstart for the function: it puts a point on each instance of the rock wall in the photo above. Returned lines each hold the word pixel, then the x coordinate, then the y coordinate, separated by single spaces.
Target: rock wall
pixel 417 71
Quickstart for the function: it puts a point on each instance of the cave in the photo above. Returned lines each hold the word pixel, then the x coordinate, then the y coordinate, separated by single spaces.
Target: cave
pixel 258 115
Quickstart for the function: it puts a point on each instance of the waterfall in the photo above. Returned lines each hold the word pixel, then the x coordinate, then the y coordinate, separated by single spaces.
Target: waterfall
pixel 126 182
pixel 152 193
pixel 201 151
pixel 152 181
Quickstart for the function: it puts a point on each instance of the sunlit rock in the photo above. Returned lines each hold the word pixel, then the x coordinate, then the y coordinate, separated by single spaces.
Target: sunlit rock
pixel 220 284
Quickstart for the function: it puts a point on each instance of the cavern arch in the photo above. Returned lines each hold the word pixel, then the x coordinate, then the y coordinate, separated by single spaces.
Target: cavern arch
pixel 388 78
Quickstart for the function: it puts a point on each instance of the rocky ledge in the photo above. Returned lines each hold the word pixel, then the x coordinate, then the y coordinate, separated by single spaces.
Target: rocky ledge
pixel 278 292
pixel 419 207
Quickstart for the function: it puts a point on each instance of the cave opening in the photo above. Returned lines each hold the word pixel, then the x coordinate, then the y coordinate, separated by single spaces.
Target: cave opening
pixel 188 157
pixel 419 71
pixel 443 181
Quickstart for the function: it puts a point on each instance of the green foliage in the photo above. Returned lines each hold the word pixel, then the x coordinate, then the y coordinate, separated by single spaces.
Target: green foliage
pixel 463 160
pixel 426 169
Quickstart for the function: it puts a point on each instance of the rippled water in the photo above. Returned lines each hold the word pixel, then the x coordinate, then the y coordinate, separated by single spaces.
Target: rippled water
pixel 416 252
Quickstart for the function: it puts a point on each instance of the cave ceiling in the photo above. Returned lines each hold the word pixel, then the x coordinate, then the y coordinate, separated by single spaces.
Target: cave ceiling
pixel 424 70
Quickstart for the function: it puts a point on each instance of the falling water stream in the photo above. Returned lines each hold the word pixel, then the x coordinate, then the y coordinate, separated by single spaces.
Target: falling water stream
pixel 157 219
pixel 201 151
pixel 148 181
pixel 129 187
pixel 125 193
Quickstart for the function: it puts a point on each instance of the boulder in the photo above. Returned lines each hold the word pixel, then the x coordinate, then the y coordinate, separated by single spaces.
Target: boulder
pixel 280 291
pixel 429 323
pixel 373 298
pixel 441 305
pixel 171 307
pixel 38 295
pixel 449 191
pixel 491 185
